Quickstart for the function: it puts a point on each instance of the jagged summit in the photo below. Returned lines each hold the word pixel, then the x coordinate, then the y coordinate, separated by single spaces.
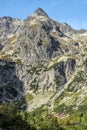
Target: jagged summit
pixel 38 16
pixel 40 55
pixel 6 18
pixel 40 12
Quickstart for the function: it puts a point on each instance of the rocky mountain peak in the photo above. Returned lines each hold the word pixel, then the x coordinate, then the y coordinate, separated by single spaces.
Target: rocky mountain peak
pixel 6 18
pixel 38 16
pixel 41 55
pixel 40 12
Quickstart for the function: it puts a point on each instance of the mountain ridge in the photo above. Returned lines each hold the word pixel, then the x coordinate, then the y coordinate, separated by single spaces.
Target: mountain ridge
pixel 45 54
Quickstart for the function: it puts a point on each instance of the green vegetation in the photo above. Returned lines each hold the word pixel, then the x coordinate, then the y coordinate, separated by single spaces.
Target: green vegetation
pixel 41 119
pixel 6 57
pixel 34 85
pixel 58 80
pixel 77 79
pixel 27 97
pixel 12 119
pixel 20 102
pixel 18 61
pixel 85 62
pixel 54 62
pixel 57 101
pixel 38 69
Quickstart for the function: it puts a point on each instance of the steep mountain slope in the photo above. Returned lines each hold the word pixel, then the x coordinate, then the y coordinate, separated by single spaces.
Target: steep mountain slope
pixel 74 95
pixel 41 59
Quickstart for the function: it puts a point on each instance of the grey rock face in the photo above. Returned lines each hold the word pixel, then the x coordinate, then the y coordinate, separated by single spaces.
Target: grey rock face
pixel 10 85
pixel 37 54
pixel 9 26
pixel 41 12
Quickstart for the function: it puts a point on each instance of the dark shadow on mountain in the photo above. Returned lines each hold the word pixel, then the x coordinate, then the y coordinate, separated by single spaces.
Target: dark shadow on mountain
pixel 11 87
pixel 1 47
pixel 12 99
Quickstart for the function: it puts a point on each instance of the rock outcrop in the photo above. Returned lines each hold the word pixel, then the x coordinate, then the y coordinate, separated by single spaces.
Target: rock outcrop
pixel 38 55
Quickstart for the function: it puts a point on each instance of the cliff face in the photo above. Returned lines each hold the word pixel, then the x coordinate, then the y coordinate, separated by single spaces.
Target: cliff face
pixel 10 85
pixel 39 55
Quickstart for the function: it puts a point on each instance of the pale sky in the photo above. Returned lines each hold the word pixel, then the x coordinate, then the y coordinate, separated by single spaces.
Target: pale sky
pixel 72 12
